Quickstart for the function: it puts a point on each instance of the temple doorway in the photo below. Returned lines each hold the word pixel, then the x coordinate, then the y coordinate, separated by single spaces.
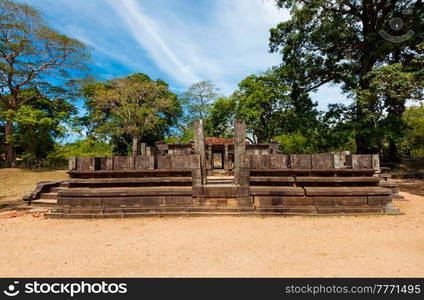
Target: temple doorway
pixel 218 160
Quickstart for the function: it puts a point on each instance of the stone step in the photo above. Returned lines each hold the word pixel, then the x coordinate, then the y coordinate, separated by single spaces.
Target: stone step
pixel 31 209
pixel 189 214
pixel 39 204
pixel 64 184
pixel 205 211
pixel 48 195
pixel 44 203
pixel 220 181
pixel 183 209
pixel 56 189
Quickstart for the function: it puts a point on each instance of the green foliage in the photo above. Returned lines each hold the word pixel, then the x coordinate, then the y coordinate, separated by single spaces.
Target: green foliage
pixel 262 101
pixel 196 103
pixel 414 138
pixel 341 42
pixel 85 147
pixel 57 155
pixel 334 130
pixel 37 126
pixel 267 103
pixel 390 86
pixel 31 54
pixel 185 138
pixel 221 118
pixel 294 142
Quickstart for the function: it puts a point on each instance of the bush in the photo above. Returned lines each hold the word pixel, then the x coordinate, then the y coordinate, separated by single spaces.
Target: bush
pixel 294 143
pixel 86 147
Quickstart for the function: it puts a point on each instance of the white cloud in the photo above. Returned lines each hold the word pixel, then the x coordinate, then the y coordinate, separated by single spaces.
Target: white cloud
pixel 146 32
pixel 229 44
pixel 180 41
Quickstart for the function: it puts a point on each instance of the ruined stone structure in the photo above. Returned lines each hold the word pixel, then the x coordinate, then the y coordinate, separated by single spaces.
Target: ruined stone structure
pixel 172 179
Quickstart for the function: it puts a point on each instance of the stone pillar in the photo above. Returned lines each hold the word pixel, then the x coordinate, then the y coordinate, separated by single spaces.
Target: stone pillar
pixel 199 147
pixel 72 164
pixel 341 159
pixel 241 165
pixel 273 147
pixel 239 146
pixel 135 148
pixel 226 161
pixel 376 163
pixel 210 158
pixel 143 149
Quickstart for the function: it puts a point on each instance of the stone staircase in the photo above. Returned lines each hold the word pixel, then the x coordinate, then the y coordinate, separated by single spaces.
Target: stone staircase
pixel 46 197
pixel 220 180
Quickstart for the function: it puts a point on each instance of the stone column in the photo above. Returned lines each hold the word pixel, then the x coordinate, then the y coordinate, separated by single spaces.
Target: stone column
pixel 199 147
pixel 273 147
pixel 210 158
pixel 226 167
pixel 72 164
pixel 239 146
pixel 143 149
pixel 135 148
pixel 241 165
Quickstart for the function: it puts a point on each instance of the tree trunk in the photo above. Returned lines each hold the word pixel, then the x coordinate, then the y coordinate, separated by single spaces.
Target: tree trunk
pixel 135 147
pixel 366 136
pixel 393 151
pixel 10 147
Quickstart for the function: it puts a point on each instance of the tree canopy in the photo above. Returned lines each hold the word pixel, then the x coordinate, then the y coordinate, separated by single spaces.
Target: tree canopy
pixel 342 41
pixel 30 53
pixel 134 106
pixel 372 49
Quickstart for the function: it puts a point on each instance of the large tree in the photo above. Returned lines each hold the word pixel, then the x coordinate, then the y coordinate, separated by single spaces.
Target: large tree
pixel 131 108
pixel 342 41
pixel 198 99
pixel 31 53
pixel 264 101
pixel 220 121
pixel 392 85
pixel 43 118
pixel 196 102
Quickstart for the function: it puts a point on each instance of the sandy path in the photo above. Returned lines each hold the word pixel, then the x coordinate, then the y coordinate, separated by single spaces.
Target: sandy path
pixel 217 246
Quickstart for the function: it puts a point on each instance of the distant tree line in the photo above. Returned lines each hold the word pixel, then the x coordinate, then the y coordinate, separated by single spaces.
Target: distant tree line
pixel 366 47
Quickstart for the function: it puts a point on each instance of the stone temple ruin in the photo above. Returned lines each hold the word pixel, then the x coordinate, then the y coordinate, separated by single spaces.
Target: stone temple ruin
pixel 215 176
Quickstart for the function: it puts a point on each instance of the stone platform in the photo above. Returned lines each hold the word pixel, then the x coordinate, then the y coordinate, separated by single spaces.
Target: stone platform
pixel 179 185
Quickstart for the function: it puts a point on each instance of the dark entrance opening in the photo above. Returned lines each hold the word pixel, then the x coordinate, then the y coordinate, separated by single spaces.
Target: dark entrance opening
pixel 218 159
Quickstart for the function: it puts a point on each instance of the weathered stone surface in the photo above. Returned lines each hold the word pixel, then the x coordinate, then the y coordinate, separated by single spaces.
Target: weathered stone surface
pixel 322 161
pixel 276 191
pixel 340 159
pixel 173 183
pixel 144 162
pixel 72 163
pixel 300 161
pixel 346 191
pixel 199 147
pixel 278 161
pixel 362 161
pixel 239 149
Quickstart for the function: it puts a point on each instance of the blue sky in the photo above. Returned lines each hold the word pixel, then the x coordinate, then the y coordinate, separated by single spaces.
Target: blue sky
pixel 180 41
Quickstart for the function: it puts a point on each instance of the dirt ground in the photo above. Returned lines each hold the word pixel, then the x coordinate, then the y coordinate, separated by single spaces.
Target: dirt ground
pixel 382 246
pixel 413 186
